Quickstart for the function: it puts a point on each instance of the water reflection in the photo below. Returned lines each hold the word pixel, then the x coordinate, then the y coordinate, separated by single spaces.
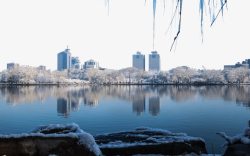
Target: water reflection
pixel 63 106
pixel 154 105
pixel 141 97
pixel 139 104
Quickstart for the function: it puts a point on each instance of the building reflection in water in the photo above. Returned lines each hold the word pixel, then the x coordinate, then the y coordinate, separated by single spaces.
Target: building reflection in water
pixel 91 101
pixel 154 105
pixel 138 104
pixel 69 98
pixel 63 107
pixel 66 105
pixel 75 104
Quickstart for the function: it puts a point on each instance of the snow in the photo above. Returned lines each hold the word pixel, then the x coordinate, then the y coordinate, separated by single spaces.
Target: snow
pixel 68 130
pixel 89 141
pixel 243 138
pixel 178 75
pixel 120 144
pixel 175 136
pixel 151 136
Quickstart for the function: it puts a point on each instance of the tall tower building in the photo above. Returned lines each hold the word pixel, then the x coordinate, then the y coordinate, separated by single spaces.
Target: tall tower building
pixel 139 61
pixel 64 60
pixel 75 62
pixel 154 61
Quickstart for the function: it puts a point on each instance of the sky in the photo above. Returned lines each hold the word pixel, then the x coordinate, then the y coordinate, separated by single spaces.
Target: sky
pixel 32 32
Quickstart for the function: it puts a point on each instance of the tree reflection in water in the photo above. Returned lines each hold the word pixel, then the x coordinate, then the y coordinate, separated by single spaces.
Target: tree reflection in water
pixel 70 98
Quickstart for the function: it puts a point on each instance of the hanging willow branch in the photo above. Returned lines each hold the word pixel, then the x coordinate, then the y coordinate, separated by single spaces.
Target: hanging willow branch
pixel 107 2
pixel 179 5
pixel 220 11
pixel 214 12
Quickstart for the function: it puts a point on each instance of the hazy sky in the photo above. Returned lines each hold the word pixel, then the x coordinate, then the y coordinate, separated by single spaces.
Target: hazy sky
pixel 32 32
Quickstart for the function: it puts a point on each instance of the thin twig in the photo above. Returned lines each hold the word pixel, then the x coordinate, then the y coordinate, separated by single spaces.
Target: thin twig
pixel 219 12
pixel 179 26
pixel 173 17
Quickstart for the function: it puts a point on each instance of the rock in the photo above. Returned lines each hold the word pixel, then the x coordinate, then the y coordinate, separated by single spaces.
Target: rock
pixel 149 141
pixel 238 145
pixel 238 150
pixel 63 140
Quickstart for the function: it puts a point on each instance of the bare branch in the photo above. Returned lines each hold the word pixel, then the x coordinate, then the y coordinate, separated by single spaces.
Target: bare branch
pixel 221 9
pixel 179 25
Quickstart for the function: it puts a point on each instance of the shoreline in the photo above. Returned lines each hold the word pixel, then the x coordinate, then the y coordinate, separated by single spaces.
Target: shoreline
pixel 123 84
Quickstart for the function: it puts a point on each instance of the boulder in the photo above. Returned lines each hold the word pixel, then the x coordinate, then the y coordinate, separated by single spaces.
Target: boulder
pixel 63 140
pixel 238 145
pixel 149 141
pixel 238 150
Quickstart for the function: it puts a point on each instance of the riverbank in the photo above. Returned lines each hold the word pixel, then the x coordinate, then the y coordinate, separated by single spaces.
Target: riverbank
pixel 128 76
pixel 122 84
pixel 70 139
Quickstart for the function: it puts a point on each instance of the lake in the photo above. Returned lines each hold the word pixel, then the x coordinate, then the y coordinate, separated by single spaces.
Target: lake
pixel 196 110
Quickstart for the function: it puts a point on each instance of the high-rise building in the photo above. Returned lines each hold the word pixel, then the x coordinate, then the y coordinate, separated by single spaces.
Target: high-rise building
pixel 154 61
pixel 11 66
pixel 64 60
pixel 139 61
pixel 91 64
pixel 41 67
pixel 75 62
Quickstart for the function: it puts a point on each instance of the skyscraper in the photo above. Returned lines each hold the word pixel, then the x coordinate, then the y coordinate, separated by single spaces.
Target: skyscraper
pixel 75 62
pixel 11 66
pixel 154 61
pixel 139 61
pixel 91 64
pixel 64 60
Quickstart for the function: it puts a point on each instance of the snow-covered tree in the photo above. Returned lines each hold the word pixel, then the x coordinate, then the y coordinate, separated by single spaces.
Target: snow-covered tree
pixel 213 76
pixel 238 75
pixel 182 74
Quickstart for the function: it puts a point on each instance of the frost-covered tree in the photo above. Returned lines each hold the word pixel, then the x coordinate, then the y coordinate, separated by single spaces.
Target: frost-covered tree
pixel 238 75
pixel 213 76
pixel 182 74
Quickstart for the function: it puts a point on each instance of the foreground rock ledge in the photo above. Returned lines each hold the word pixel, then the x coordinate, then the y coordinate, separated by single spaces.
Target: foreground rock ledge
pixel 63 140
pixel 238 145
pixel 70 140
pixel 150 141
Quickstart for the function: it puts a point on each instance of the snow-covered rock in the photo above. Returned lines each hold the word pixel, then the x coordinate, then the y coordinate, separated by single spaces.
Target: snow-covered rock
pixel 238 144
pixel 51 139
pixel 149 141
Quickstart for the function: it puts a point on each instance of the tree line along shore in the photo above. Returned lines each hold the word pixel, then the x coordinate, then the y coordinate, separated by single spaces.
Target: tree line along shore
pixel 128 76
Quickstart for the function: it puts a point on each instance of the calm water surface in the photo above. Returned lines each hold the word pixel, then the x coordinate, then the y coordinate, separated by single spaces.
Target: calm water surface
pixel 197 111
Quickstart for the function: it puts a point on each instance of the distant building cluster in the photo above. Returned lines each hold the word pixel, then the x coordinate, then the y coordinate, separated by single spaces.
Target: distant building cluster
pixel 66 61
pixel 154 61
pixel 244 64
pixel 12 66
pixel 90 64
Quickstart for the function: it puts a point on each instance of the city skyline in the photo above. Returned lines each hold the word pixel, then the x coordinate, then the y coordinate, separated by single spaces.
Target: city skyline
pixel 35 38
pixel 66 61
